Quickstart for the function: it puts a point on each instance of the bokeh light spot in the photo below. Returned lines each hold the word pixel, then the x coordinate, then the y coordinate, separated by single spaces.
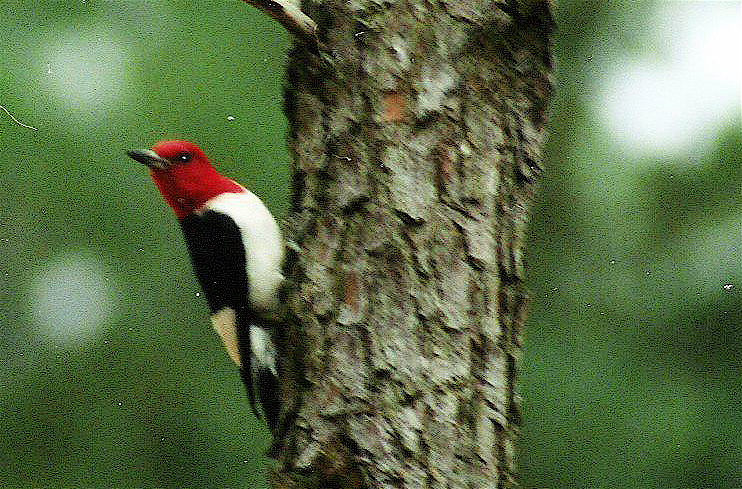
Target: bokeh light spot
pixel 72 301
pixel 86 70
pixel 674 100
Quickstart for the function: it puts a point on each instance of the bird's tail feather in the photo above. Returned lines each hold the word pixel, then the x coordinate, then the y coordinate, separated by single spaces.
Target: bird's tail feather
pixel 266 385
pixel 263 374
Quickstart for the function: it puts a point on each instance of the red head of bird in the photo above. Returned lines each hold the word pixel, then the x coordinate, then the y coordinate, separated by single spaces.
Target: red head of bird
pixel 184 175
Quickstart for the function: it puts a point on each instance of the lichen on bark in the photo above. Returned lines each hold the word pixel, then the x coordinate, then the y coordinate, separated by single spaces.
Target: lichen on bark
pixel 417 136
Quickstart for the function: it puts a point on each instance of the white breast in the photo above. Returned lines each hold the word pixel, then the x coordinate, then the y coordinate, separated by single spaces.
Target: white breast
pixel 262 240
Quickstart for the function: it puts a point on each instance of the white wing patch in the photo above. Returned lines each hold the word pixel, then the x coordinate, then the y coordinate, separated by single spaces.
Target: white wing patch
pixel 262 240
pixel 263 350
pixel 225 322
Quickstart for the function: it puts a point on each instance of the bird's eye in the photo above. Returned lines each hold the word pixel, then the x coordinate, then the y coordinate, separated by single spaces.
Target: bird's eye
pixel 184 157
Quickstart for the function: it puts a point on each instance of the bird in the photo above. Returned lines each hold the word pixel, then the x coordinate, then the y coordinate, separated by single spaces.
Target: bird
pixel 236 250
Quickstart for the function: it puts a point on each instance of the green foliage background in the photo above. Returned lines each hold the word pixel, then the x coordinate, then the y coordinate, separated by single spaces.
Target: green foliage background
pixel 631 377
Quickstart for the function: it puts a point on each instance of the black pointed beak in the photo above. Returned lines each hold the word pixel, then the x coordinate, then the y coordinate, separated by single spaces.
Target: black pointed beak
pixel 149 158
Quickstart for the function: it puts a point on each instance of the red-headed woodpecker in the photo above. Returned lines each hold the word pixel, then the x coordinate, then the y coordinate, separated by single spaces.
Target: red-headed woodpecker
pixel 236 251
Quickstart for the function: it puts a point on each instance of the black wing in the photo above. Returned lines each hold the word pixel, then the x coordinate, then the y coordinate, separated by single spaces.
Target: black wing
pixel 218 257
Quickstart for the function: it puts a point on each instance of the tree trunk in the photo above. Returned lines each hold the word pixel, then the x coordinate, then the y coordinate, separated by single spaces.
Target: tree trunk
pixel 417 136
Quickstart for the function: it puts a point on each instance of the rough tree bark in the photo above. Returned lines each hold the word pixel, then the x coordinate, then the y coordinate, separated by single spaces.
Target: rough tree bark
pixel 417 134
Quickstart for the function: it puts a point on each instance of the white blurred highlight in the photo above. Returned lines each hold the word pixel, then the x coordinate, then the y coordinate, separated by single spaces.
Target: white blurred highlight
pixel 72 301
pixel 87 70
pixel 676 102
